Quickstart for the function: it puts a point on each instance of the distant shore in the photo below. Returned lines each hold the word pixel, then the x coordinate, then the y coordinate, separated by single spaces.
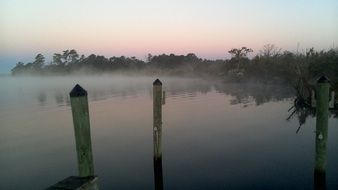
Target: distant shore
pixel 271 64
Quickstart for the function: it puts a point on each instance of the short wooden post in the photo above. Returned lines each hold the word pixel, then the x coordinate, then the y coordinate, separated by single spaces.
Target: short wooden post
pixel 80 111
pixel 157 133
pixel 322 112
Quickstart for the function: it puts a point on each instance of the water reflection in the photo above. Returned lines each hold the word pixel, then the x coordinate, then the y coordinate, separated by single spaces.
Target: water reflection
pixel 245 94
pixel 59 98
pixel 105 87
pixel 247 148
pixel 158 173
pixel 42 97
pixel 257 93
pixel 303 112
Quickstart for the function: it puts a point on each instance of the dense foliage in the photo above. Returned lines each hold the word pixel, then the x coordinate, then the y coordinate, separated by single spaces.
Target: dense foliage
pixel 270 64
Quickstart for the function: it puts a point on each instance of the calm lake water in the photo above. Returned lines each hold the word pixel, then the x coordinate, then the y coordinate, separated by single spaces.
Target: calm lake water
pixel 215 135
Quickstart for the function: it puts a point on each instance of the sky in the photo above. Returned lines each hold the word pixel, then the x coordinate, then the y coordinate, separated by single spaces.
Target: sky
pixel 208 28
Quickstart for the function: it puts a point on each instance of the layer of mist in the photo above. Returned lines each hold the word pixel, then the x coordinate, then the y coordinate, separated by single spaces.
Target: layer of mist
pixel 48 91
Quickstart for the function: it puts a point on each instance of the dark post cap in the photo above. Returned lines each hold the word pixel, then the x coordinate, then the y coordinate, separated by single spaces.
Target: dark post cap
pixel 323 79
pixel 78 91
pixel 157 82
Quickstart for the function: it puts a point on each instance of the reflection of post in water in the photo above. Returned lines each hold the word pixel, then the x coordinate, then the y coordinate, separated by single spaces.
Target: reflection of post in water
pixel 157 133
pixel 42 97
pixel 322 111
pixel 158 173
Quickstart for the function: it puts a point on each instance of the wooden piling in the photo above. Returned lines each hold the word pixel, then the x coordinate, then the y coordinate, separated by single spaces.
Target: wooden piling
pixel 157 133
pixel 157 117
pixel 80 112
pixel 322 114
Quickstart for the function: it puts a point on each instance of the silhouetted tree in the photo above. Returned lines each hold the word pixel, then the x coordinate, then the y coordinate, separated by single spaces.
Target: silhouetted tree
pixel 149 57
pixel 38 63
pixel 18 69
pixel 239 54
pixel 57 59
pixel 270 50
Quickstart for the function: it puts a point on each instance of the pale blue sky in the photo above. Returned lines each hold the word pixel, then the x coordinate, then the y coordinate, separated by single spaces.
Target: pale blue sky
pixel 133 27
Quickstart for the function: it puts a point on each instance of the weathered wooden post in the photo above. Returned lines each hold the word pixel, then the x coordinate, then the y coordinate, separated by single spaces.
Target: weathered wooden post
pixel 86 179
pixel 157 117
pixel 322 113
pixel 157 133
pixel 80 111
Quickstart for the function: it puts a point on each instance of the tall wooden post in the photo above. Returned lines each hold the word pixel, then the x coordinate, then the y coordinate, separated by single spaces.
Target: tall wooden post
pixel 322 113
pixel 157 133
pixel 157 114
pixel 80 111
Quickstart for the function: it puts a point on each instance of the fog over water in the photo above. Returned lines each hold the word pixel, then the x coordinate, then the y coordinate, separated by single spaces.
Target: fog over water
pixel 216 134
pixel 35 91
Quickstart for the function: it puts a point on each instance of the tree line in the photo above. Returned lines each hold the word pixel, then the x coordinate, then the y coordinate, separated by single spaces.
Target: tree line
pixel 269 64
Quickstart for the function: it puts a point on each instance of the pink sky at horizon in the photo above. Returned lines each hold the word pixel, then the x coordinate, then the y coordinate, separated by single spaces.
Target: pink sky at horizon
pixel 134 28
